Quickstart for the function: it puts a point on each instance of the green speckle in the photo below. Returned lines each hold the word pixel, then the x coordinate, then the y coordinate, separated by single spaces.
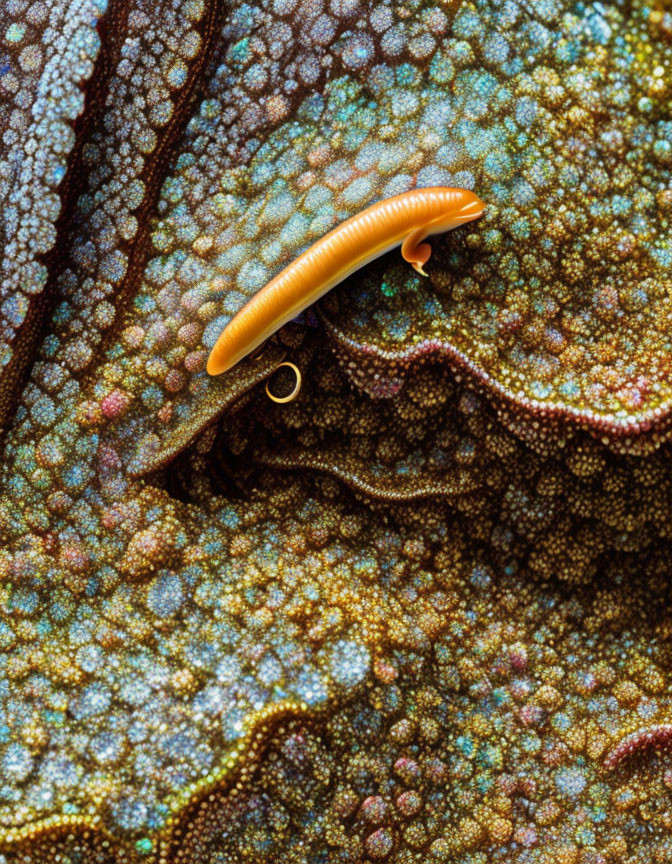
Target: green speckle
pixel 144 846
pixel 239 52
pixel 15 33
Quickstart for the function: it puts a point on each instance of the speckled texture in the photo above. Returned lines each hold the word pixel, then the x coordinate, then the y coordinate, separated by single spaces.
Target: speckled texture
pixel 421 613
pixel 46 55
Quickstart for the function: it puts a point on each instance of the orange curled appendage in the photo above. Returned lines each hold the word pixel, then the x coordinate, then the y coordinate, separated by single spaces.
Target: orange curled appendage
pixel 407 219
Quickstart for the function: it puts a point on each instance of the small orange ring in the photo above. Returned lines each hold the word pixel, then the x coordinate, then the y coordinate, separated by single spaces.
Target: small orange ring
pixel 297 387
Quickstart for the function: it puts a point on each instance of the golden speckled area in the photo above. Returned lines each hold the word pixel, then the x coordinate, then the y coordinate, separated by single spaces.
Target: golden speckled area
pixel 421 613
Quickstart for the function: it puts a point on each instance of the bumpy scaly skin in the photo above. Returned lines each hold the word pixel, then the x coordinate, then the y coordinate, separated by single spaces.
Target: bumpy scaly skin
pixel 48 51
pixel 408 629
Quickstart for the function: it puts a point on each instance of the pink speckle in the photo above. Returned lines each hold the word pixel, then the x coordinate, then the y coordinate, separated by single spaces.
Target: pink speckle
pixel 189 334
pixel 74 557
pixel 165 414
pixel 112 517
pixel 526 836
pixel 407 769
pixel 115 404
pixel 531 715
pixel 408 803
pixel 109 458
pixel 373 809
pixel 518 657
pixel 385 671
pixel 174 381
pixel 195 361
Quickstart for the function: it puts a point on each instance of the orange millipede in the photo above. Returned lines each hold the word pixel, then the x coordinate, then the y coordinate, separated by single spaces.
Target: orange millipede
pixel 407 219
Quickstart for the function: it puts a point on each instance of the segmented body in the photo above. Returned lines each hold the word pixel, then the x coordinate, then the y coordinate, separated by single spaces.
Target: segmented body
pixel 406 218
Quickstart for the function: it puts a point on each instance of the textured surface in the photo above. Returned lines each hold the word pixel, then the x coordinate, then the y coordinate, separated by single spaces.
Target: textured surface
pixel 421 613
pixel 48 51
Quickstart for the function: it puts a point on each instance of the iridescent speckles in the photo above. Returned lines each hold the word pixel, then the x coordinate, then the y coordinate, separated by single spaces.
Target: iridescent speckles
pixel 47 55
pixel 553 353
pixel 412 627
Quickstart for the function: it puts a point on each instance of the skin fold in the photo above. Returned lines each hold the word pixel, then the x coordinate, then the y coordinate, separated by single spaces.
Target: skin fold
pixel 420 613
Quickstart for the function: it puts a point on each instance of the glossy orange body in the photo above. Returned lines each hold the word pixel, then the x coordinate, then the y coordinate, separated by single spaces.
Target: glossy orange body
pixel 405 219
